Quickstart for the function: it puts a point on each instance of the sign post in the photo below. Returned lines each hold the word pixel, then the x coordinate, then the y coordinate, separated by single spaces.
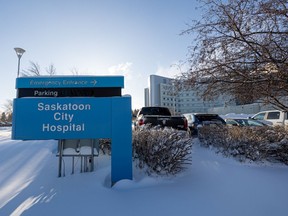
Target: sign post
pixel 85 107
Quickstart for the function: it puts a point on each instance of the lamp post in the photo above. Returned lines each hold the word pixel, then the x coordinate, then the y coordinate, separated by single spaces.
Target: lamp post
pixel 19 53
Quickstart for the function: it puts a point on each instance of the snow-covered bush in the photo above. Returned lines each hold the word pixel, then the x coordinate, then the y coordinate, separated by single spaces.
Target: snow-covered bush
pixel 161 151
pixel 105 146
pixel 252 143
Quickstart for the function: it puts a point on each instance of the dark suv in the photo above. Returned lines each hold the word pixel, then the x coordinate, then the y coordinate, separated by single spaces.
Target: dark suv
pixel 196 120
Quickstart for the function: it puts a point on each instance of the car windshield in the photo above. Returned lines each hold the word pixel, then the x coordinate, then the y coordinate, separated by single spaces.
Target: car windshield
pixel 155 111
pixel 259 116
pixel 248 122
pixel 215 118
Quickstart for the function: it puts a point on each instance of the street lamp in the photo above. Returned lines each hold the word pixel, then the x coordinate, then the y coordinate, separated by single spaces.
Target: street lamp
pixel 19 53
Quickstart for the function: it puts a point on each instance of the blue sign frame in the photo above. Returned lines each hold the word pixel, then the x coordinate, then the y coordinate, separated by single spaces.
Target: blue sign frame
pixel 78 118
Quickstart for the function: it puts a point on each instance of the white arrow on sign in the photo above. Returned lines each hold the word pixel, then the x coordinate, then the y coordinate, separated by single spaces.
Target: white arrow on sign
pixel 94 82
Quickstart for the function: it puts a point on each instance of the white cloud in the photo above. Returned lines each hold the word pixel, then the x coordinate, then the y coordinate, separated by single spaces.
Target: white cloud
pixel 133 84
pixel 123 69
pixel 170 72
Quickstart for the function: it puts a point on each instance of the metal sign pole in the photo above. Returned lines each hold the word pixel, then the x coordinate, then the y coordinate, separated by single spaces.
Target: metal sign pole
pixel 60 146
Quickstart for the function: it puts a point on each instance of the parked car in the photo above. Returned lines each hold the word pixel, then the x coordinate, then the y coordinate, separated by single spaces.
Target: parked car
pixel 276 117
pixel 159 116
pixel 5 124
pixel 196 120
pixel 242 122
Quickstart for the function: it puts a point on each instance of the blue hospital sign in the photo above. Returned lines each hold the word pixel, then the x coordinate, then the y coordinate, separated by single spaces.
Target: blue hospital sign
pixel 62 118
pixel 76 108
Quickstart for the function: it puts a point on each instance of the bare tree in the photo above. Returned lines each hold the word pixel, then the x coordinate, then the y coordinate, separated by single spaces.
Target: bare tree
pixel 74 71
pixel 241 48
pixel 3 117
pixel 35 70
pixel 51 70
pixel 8 106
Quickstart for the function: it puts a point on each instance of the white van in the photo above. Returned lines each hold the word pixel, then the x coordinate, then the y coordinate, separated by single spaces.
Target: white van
pixel 276 117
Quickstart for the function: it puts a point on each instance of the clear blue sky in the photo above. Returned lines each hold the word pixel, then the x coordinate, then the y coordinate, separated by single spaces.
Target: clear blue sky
pixel 135 38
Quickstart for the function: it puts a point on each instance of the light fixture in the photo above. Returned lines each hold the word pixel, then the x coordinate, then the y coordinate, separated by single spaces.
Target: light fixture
pixel 19 53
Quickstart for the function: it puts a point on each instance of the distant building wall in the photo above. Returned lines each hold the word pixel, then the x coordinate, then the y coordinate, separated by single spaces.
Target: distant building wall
pixel 155 93
pixel 146 97
pixel 162 93
pixel 241 109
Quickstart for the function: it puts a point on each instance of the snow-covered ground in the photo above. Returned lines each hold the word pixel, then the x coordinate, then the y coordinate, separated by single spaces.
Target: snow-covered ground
pixel 211 186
